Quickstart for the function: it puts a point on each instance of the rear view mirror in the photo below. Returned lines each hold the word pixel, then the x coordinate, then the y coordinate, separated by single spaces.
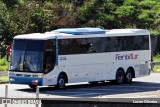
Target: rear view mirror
pixel 9 53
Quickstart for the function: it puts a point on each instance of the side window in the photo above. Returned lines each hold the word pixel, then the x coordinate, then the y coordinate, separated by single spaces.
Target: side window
pixel 63 45
pixel 85 44
pixel 89 45
pixel 67 46
pixel 49 56
pixel 145 42
pixel 119 43
pixel 77 46
pixel 100 44
pixel 109 44
pixel 141 42
pixel 137 44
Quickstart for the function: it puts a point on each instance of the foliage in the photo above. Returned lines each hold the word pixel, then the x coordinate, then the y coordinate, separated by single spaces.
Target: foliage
pixel 4 79
pixel 156 58
pixel 3 64
pixel 31 16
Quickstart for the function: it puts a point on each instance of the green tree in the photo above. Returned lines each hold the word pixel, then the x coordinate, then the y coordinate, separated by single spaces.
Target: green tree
pixel 31 16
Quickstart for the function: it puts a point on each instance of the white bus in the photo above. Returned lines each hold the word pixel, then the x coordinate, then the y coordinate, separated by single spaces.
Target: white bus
pixel 72 55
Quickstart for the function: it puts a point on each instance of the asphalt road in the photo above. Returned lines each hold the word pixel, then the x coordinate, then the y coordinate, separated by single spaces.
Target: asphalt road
pixel 145 87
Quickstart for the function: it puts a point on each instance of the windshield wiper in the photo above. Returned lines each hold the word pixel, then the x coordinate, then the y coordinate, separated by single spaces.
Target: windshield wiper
pixel 28 66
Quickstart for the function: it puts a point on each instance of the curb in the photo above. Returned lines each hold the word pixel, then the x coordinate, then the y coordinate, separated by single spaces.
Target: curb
pixel 5 73
pixel 4 82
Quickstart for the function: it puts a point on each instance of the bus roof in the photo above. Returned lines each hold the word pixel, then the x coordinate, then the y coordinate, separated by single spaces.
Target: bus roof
pixel 82 32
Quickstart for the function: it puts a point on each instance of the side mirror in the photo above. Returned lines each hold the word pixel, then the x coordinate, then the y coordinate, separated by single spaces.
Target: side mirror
pixel 9 53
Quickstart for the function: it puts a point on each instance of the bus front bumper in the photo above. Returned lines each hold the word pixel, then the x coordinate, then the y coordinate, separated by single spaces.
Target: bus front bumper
pixel 25 80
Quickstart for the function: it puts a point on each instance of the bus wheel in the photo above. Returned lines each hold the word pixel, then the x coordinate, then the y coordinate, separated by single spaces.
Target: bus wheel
pixel 128 76
pixel 33 86
pixel 61 82
pixel 120 76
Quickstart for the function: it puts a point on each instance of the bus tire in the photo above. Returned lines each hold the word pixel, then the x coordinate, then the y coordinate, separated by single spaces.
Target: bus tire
pixel 128 76
pixel 33 86
pixel 61 82
pixel 120 76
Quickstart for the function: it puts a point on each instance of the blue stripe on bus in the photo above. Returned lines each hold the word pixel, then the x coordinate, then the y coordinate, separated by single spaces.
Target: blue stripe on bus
pixel 56 51
pixel 80 31
pixel 24 80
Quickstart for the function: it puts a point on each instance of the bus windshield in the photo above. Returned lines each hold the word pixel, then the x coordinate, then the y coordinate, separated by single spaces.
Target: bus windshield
pixel 27 55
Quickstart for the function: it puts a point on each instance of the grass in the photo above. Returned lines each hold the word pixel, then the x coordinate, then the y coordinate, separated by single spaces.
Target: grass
pixel 156 58
pixel 4 79
pixel 3 64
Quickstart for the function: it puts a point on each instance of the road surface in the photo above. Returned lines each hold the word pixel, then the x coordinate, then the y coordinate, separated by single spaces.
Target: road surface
pixel 144 87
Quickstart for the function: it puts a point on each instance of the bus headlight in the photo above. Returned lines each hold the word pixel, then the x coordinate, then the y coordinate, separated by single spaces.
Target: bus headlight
pixel 11 79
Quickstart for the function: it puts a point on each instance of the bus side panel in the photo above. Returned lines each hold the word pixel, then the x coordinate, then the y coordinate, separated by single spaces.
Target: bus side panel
pixel 96 67
pixel 76 73
pixel 99 71
pixel 51 77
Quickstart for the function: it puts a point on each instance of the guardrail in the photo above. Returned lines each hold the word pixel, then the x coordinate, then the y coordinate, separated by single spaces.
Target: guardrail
pixel 155 63
pixel 6 100
pixel 6 94
pixel 4 73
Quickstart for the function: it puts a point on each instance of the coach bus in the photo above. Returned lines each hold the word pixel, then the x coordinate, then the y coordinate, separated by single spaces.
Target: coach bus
pixel 72 55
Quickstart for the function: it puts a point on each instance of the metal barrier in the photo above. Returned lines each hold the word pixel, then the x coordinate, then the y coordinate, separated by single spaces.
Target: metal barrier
pixel 6 96
pixel 155 63
pixel 37 95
